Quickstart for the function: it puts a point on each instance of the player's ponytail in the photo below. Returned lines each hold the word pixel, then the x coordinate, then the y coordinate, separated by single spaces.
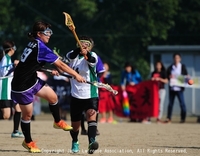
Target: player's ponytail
pixel 31 35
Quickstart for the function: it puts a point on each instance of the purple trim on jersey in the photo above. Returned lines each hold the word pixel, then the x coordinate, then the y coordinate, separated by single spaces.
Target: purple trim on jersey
pixel 45 54
pixel 27 97
pixel 100 67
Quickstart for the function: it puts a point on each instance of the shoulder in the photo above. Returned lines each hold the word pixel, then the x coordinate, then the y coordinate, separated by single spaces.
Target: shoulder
pixel 183 65
pixel 169 67
pixel 137 72
pixel 41 44
pixel 183 68
pixel 3 59
pixel 93 54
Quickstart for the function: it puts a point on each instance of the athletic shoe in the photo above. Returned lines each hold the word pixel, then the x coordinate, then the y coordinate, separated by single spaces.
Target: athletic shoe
pixel 62 125
pixel 17 135
pixel 31 147
pixel 92 147
pixel 97 132
pixel 168 121
pixel 75 147
pixel 182 121
pixel 110 120
pixel 158 121
pixel 102 120
pixel 146 121
pixel 84 132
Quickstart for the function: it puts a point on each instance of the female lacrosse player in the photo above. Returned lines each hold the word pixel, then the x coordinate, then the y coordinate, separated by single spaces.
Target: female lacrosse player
pixel 84 97
pixel 26 84
pixel 6 103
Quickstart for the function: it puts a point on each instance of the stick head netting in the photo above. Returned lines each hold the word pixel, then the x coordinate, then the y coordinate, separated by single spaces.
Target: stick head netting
pixel 68 21
pixel 106 86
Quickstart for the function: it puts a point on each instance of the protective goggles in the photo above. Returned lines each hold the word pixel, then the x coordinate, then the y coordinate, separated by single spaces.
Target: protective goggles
pixel 47 32
pixel 86 43
pixel 14 48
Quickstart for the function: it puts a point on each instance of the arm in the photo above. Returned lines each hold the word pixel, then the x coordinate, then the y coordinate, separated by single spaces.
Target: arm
pixel 184 70
pixel 152 76
pixel 138 76
pixel 91 58
pixel 74 54
pixel 169 72
pixel 164 80
pixel 163 77
pixel 6 69
pixel 63 67
pixel 3 68
pixel 123 81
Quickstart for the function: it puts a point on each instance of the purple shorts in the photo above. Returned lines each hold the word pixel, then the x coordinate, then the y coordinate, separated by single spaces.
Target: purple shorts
pixel 27 96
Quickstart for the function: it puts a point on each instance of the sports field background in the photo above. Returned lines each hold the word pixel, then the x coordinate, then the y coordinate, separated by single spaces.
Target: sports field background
pixel 119 139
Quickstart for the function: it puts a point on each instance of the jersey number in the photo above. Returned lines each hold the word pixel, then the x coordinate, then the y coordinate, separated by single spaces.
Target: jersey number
pixel 25 54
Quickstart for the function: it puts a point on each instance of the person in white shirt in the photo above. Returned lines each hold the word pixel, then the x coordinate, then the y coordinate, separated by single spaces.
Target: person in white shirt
pixel 175 69
pixel 6 103
pixel 84 97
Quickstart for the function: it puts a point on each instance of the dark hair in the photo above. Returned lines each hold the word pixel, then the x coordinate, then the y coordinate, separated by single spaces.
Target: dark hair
pixel 7 45
pixel 128 64
pixel 175 54
pixel 1 53
pixel 84 37
pixel 37 27
pixel 162 66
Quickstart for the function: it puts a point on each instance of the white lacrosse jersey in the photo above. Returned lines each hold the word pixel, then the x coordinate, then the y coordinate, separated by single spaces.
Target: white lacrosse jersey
pixel 5 84
pixel 88 71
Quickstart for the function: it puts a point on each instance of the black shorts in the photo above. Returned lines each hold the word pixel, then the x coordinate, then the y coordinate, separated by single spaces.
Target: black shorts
pixel 78 106
pixel 6 103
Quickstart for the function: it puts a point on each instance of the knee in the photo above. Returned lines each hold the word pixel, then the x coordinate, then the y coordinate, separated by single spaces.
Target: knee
pixel 26 117
pixel 53 99
pixel 6 116
pixel 91 114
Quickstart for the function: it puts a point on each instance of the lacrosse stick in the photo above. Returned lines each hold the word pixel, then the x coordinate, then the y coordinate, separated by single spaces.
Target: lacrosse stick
pixel 95 83
pixel 5 77
pixel 70 24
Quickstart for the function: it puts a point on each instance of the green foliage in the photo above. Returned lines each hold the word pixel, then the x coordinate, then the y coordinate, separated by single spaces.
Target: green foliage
pixel 87 7
pixel 121 29
pixel 6 14
pixel 143 67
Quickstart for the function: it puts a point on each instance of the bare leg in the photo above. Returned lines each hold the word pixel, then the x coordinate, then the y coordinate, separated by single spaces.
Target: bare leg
pixel 103 117
pixel 6 113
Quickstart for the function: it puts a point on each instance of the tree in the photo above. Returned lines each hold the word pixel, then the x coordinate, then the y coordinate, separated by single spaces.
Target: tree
pixel 121 29
pixel 6 14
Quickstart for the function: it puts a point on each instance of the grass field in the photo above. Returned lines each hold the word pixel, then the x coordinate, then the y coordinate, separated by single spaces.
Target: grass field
pixel 120 139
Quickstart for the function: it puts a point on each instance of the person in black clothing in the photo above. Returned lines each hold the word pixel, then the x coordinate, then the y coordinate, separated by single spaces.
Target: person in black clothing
pixel 26 84
pixel 175 69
